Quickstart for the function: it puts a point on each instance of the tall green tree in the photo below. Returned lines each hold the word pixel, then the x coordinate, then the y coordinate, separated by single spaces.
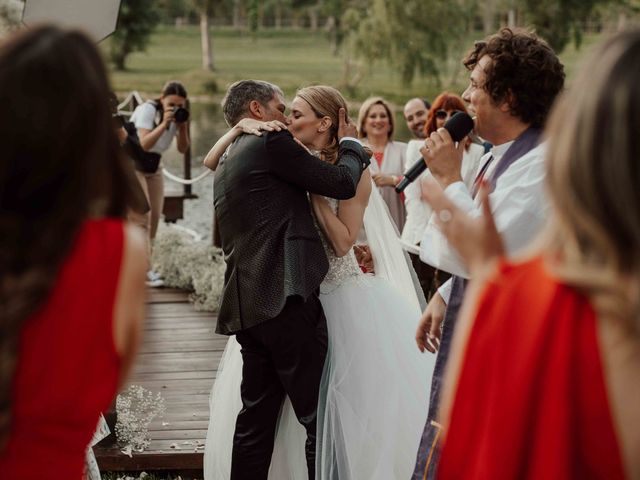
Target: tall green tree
pixel 411 36
pixel 254 17
pixel 205 9
pixel 560 21
pixel 337 11
pixel 136 21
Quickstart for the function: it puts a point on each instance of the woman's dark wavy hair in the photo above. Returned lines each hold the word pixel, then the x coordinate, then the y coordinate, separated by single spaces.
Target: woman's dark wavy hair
pixel 524 70
pixel 61 163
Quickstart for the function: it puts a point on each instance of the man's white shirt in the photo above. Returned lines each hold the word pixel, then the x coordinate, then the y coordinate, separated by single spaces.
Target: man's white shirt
pixel 518 203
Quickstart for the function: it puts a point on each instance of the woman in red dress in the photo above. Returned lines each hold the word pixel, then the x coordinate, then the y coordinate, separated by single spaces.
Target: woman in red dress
pixel 71 272
pixel 544 380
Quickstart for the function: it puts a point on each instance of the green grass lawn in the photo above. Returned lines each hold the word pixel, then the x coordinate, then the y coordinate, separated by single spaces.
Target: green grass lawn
pixel 289 58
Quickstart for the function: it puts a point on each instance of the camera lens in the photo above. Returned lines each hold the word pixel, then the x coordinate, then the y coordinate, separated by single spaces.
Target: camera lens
pixel 180 115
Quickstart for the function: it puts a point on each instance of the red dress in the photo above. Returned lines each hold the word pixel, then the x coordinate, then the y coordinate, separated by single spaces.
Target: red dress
pixel 68 367
pixel 531 400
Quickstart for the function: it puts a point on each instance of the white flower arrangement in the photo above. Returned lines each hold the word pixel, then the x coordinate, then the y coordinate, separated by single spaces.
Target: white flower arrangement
pixel 189 264
pixel 10 15
pixel 136 408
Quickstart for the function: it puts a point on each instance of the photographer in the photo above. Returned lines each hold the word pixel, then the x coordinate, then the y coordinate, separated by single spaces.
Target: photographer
pixel 157 123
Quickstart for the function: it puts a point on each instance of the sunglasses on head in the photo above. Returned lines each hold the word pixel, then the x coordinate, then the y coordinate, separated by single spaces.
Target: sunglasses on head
pixel 442 114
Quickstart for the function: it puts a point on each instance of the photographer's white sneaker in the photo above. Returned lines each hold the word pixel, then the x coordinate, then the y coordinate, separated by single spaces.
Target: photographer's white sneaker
pixel 154 279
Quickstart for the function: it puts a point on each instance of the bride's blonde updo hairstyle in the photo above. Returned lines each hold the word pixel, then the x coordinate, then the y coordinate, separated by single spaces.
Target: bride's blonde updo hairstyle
pixel 326 101
pixel 594 180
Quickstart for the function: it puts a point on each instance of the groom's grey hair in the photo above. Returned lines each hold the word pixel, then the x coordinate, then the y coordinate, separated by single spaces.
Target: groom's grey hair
pixel 235 104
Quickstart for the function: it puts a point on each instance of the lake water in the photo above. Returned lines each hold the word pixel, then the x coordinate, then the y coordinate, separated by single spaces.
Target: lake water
pixel 207 125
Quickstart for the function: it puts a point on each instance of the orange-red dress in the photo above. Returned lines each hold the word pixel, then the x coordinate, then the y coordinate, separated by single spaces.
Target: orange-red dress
pixel 531 401
pixel 68 367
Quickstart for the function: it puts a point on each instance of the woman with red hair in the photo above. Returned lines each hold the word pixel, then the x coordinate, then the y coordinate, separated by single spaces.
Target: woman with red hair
pixel 418 211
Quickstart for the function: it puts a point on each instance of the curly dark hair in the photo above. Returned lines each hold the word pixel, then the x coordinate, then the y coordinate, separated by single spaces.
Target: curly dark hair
pixel 524 70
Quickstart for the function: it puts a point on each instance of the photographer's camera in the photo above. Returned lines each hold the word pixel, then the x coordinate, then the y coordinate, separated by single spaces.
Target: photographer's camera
pixel 180 115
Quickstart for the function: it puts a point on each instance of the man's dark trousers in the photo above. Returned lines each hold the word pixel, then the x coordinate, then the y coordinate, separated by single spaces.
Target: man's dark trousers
pixel 284 355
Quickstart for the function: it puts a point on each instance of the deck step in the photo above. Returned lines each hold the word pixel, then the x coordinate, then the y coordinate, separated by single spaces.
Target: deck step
pixel 179 358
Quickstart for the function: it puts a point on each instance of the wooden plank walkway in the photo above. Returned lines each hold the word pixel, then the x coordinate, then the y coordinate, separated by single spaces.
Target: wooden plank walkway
pixel 179 358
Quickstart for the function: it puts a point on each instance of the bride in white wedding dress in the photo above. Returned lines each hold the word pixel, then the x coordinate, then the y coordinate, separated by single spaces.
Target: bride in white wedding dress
pixel 375 387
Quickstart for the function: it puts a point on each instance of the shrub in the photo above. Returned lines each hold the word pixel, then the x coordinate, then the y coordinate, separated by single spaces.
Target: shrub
pixel 189 264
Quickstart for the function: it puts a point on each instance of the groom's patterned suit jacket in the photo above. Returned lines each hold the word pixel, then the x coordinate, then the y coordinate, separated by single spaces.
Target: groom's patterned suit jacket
pixel 271 246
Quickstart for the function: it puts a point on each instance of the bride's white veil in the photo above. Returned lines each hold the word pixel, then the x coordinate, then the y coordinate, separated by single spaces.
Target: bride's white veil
pixel 390 261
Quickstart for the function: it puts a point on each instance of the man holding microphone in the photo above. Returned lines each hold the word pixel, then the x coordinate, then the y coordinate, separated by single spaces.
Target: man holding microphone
pixel 515 78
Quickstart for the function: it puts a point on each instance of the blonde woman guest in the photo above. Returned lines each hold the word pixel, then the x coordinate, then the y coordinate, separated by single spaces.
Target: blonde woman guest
pixel 375 126
pixel 548 387
pixel 158 123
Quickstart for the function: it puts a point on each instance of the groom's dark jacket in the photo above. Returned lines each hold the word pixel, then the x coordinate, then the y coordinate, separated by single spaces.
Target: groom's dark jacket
pixel 271 246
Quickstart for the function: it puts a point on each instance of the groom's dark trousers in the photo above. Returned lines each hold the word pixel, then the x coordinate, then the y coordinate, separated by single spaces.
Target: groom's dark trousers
pixel 283 355
pixel 275 263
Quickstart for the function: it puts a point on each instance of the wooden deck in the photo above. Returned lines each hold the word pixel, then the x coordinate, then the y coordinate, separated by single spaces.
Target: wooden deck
pixel 179 358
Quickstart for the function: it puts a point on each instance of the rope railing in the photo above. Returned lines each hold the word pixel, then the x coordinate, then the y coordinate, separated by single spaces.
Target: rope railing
pixel 129 104
pixel 185 181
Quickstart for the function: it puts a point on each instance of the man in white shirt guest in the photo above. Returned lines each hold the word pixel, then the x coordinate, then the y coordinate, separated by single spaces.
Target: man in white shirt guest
pixel 415 114
pixel 515 77
pixel 416 111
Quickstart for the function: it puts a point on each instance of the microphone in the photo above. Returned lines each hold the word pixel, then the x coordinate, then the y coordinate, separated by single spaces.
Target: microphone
pixel 458 126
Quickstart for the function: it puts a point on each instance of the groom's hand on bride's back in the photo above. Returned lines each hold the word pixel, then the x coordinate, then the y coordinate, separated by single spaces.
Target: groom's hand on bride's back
pixel 345 127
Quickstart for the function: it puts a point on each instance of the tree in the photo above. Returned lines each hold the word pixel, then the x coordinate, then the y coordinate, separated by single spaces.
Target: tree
pixel 205 10
pixel 335 11
pixel 236 14
pixel 254 17
pixel 560 21
pixel 136 21
pixel 412 36
pixel 279 7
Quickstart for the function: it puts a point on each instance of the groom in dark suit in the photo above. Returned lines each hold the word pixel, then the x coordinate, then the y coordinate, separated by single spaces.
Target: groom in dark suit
pixel 275 264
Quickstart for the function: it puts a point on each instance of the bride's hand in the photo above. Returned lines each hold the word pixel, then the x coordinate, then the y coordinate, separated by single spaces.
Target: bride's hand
pixel 256 127
pixel 345 127
pixel 364 257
